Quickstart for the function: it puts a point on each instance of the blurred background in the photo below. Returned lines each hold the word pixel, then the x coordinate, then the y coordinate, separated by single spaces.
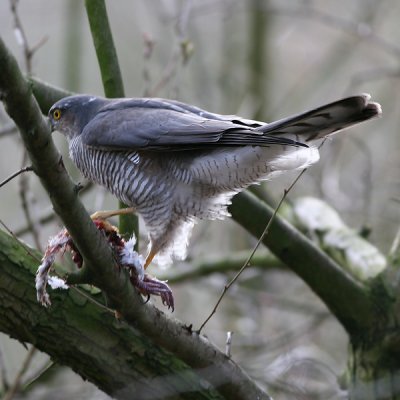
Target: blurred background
pixel 258 59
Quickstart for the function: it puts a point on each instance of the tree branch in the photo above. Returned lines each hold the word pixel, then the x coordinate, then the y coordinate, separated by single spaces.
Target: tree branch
pixel 347 298
pixel 194 350
pixel 76 332
pixel 46 95
pixel 105 49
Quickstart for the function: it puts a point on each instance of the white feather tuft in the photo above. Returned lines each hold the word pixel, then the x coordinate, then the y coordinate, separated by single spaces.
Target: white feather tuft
pixel 177 246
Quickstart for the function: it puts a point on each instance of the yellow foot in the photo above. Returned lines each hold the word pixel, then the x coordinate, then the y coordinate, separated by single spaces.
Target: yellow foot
pixel 102 216
pixel 149 258
pixel 109 214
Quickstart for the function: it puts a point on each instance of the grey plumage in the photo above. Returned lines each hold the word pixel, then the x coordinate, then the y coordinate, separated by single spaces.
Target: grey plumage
pixel 176 163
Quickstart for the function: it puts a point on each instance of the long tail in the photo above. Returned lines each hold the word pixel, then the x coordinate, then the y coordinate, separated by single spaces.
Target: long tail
pixel 325 120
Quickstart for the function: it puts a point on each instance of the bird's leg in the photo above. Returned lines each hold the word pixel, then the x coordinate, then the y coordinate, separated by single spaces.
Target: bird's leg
pixel 149 258
pixel 108 214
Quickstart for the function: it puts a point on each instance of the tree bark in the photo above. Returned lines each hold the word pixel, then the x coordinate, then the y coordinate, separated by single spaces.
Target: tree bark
pixel 76 332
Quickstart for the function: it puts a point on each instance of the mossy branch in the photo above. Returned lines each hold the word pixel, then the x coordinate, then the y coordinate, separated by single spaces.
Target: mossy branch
pixel 83 335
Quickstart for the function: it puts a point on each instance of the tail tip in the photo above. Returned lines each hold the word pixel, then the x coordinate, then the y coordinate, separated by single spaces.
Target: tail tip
pixel 371 109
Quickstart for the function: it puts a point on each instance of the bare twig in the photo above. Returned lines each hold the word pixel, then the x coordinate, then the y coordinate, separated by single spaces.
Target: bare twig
pixel 28 55
pixel 228 343
pixel 47 217
pixel 360 30
pixel 148 48
pixel 22 38
pixel 181 53
pixel 283 339
pixel 15 174
pixel 247 263
pixel 17 381
pixel 40 372
pixel 395 245
pixel 192 270
pixel 25 194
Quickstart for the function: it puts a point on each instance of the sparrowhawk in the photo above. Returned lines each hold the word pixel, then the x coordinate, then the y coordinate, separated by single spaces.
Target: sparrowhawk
pixel 175 163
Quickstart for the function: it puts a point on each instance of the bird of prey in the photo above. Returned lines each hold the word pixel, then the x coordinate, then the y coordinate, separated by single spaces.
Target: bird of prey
pixel 174 163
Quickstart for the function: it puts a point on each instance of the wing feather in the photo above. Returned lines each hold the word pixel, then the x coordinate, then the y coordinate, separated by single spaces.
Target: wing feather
pixel 159 125
pixel 167 125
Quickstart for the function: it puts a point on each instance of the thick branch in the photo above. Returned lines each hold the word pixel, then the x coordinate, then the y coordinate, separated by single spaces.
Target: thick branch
pixel 84 335
pixel 195 350
pixel 348 299
pixel 46 95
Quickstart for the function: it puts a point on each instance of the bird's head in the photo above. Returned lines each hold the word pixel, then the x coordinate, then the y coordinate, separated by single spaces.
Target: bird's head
pixel 71 114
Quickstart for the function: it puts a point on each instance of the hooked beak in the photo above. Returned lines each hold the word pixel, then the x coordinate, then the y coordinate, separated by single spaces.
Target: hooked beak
pixel 51 125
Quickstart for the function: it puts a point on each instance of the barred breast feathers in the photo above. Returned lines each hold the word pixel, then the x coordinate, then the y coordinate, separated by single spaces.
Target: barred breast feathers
pixel 237 169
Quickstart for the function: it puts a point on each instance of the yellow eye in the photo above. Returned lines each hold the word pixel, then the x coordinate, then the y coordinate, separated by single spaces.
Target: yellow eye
pixel 56 114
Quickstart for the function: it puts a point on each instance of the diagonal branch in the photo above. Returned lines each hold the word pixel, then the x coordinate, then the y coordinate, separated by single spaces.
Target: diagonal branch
pixel 194 350
pixel 347 298
pixel 83 335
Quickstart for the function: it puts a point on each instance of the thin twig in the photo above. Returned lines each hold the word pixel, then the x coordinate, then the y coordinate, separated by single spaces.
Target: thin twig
pixel 228 344
pixel 395 245
pixel 284 338
pixel 17 381
pixel 360 30
pixel 15 174
pixel 22 38
pixel 28 55
pixel 38 375
pixel 247 263
pixel 47 217
pixel 24 191
pixel 92 300
pixel 50 215
pixel 182 52
pixel 191 270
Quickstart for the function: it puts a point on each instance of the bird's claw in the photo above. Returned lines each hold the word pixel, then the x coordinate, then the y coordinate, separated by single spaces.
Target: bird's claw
pixel 126 257
pixel 152 286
